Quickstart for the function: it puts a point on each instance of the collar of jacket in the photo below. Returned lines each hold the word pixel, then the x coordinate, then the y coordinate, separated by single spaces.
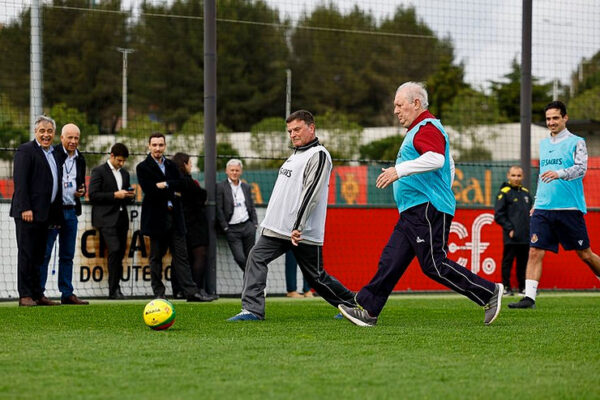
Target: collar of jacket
pixel 312 143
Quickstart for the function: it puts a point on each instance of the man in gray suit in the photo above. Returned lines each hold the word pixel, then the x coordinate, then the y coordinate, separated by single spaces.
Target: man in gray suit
pixel 236 214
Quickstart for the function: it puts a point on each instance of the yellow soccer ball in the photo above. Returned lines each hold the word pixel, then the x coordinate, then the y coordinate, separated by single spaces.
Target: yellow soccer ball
pixel 159 314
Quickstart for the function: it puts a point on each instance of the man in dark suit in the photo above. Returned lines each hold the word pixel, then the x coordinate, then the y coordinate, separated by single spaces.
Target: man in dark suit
pixel 110 193
pixel 162 218
pixel 72 166
pixel 236 214
pixel 36 205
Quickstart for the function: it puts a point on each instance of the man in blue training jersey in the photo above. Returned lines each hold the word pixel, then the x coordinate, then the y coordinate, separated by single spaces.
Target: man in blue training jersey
pixel 559 202
pixel 422 181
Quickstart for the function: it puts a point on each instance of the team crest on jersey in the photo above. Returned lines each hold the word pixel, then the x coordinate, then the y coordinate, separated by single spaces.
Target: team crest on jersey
pixel 534 238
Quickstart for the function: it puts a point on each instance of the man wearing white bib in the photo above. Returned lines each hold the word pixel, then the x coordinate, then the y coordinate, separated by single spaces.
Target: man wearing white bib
pixel 295 220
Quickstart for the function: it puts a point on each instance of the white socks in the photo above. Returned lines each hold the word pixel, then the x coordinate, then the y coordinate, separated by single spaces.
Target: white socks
pixel 531 288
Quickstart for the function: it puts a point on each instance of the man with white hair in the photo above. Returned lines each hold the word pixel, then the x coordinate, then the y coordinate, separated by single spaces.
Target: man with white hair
pixel 72 164
pixel 422 183
pixel 236 214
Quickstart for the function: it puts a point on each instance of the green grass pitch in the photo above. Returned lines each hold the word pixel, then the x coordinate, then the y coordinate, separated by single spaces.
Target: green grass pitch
pixel 424 347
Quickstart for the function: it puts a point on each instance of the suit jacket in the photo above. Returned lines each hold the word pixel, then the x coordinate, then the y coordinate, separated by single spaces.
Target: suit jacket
pixel 32 178
pixel 225 204
pixel 61 157
pixel 155 203
pixel 103 185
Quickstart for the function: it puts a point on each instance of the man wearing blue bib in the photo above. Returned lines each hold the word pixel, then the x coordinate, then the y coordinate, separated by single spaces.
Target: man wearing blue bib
pixel 559 202
pixel 422 181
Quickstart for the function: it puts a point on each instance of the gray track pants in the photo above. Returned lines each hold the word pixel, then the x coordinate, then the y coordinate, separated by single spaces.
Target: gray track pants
pixel 310 261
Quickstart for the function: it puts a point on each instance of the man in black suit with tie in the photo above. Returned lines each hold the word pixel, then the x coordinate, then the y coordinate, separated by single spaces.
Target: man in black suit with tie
pixel 236 214
pixel 162 218
pixel 110 193
pixel 36 205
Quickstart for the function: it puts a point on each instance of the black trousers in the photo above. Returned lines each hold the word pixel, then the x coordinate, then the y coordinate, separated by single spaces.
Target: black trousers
pixel 422 232
pixel 310 261
pixel 241 238
pixel 180 265
pixel 115 238
pixel 31 245
pixel 510 252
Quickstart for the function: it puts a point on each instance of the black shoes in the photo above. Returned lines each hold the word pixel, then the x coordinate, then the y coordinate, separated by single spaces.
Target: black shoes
pixel 209 295
pixel 199 298
pixel 525 302
pixel 116 295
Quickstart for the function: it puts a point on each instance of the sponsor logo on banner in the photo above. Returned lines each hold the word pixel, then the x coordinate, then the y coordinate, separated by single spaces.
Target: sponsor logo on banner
pixel 476 246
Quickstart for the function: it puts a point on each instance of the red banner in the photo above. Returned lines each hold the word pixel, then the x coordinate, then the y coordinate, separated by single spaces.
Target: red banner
pixel 355 238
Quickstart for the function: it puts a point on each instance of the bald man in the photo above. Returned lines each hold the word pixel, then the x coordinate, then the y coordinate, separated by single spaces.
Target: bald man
pixel 72 164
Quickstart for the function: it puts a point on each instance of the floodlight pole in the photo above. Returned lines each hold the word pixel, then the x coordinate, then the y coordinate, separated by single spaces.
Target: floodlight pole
pixel 35 67
pixel 210 134
pixel 124 101
pixel 288 93
pixel 526 93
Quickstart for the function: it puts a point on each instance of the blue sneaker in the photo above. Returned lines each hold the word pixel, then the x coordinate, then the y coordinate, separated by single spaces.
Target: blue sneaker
pixel 244 316
pixel 338 316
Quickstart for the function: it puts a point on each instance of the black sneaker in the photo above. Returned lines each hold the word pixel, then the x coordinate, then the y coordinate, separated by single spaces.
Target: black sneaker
pixel 525 302
pixel 198 298
pixel 357 315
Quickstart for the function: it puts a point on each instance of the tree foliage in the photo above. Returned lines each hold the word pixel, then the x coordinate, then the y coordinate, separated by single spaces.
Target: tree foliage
pixel 270 139
pixel 13 131
pixel 225 152
pixel 252 62
pixel 586 80
pixel 356 73
pixel 446 82
pixel 383 149
pixel 348 62
pixel 469 111
pixel 167 66
pixel 587 74
pixel 508 95
pixel 339 133
pixel 586 105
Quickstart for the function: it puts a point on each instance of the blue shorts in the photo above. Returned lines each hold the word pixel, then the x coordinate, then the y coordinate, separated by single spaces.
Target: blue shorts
pixel 551 227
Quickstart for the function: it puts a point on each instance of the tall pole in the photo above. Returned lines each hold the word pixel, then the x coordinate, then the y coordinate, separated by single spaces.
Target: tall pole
pixel 210 134
pixel 124 101
pixel 526 93
pixel 35 66
pixel 288 93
